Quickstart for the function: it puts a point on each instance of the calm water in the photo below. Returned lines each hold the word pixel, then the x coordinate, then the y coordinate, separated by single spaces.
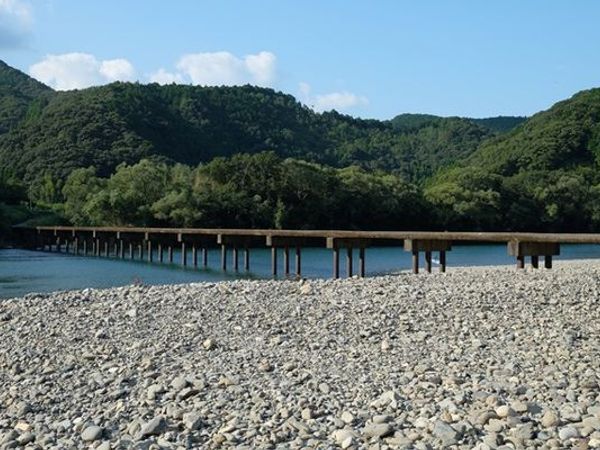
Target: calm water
pixel 22 272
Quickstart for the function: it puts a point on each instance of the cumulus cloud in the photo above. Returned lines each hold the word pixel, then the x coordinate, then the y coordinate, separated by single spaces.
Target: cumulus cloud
pixel 224 68
pixel 15 22
pixel 161 76
pixel 220 68
pixel 117 69
pixel 80 70
pixel 339 101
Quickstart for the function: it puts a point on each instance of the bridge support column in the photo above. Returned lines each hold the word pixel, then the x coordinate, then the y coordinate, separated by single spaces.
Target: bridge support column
pixel 204 257
pixel 336 263
pixel 150 251
pixel 194 255
pixel 349 262
pixel 274 261
pixel 285 242
pixel 223 257
pixel 183 254
pixel 286 260
pixel 428 261
pixel 521 249
pixel 350 244
pixel 361 262
pixel 298 261
pixel 427 245
pixel 161 253
pixel 236 242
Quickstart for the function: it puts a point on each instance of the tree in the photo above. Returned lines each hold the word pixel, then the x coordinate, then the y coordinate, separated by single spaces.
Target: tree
pixel 79 188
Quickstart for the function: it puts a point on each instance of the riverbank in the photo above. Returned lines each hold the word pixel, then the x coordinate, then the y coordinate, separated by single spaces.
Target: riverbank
pixel 474 358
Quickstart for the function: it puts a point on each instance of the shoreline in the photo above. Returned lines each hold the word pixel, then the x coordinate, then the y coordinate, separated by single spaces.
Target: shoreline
pixel 557 263
pixel 470 359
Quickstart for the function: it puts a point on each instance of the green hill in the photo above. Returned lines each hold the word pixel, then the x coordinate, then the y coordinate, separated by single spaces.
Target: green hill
pixel 498 173
pixel 124 122
pixel 500 124
pixel 17 92
pixel 542 175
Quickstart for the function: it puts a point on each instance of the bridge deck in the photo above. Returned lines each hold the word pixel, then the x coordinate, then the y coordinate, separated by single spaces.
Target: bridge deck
pixel 561 238
pixel 148 242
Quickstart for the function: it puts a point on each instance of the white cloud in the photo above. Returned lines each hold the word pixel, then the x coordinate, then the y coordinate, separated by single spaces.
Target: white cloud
pixel 161 76
pixel 262 67
pixel 117 69
pixel 224 68
pixel 339 101
pixel 80 70
pixel 16 18
pixel 304 89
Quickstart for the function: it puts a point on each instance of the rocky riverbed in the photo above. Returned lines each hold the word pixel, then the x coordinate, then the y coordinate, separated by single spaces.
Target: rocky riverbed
pixel 484 359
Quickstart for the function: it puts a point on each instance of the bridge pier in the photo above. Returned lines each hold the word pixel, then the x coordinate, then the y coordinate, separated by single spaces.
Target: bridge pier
pixel 349 244
pixel 149 251
pixel 427 245
pixel 236 242
pixel 285 242
pixel 521 249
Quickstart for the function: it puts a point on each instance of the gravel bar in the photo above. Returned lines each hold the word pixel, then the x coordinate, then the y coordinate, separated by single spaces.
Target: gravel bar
pixel 472 359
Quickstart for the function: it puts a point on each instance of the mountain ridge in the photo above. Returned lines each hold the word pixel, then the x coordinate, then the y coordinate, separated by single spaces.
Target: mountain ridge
pixel 125 122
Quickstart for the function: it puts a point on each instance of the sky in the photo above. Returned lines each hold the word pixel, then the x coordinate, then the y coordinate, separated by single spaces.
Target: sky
pixel 372 59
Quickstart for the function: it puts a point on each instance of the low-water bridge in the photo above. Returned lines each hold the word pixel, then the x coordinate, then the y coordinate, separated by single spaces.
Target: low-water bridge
pixel 150 243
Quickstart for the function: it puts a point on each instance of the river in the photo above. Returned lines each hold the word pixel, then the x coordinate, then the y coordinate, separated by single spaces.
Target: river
pixel 23 272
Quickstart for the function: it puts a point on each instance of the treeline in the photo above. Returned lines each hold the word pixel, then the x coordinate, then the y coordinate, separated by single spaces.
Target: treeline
pixel 267 191
pixel 253 191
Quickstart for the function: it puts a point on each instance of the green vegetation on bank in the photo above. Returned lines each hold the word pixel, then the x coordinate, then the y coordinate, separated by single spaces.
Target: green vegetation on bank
pixel 131 154
pixel 544 175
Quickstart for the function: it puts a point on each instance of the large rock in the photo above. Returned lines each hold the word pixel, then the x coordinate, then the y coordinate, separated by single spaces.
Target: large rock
pixel 154 427
pixel 92 433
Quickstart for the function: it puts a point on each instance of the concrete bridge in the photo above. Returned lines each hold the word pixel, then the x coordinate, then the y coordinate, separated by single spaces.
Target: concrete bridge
pixel 158 243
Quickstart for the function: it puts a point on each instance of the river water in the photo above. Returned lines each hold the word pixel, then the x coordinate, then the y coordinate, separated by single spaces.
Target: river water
pixel 23 272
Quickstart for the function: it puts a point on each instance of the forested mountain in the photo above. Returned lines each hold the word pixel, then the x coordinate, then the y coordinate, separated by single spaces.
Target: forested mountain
pixel 500 124
pixel 17 92
pixel 543 175
pixel 124 122
pixel 247 156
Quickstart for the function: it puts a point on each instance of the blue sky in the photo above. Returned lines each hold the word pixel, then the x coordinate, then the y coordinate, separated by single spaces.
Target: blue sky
pixel 370 59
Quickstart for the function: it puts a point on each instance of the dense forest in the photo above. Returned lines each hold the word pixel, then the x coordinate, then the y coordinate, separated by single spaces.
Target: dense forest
pixel 245 156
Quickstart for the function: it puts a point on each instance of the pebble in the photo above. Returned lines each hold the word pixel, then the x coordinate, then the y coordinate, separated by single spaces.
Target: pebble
pixel 550 419
pixel 377 430
pixel 154 427
pixel 472 359
pixel 567 433
pixel 91 433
